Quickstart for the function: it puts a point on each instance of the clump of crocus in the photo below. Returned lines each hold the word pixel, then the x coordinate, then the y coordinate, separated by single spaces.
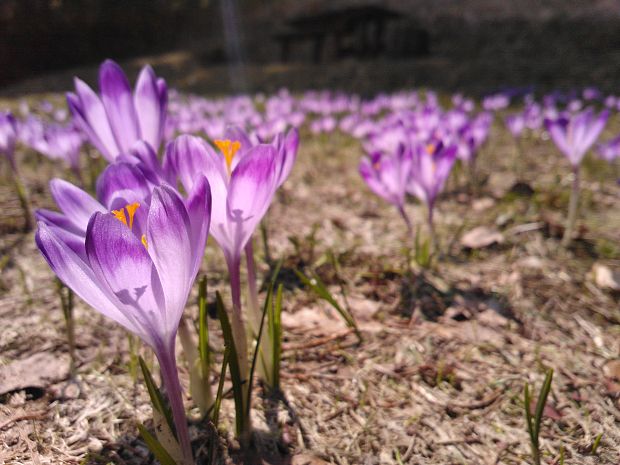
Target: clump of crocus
pixel 388 177
pixel 431 166
pixel 243 183
pixel 118 119
pixel 8 139
pixel 574 135
pixel 139 263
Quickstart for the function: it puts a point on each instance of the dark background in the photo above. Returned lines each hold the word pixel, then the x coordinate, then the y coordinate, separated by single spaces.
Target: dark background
pixel 472 45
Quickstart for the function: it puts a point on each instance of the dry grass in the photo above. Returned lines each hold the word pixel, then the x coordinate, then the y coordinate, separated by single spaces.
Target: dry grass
pixel 446 352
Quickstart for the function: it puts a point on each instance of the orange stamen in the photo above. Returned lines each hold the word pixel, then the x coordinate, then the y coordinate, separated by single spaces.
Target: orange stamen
pixel 120 215
pixel 229 149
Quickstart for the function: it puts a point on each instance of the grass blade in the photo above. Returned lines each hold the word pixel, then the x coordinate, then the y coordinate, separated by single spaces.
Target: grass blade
pixel 542 400
pixel 267 305
pixel 275 329
pixel 155 447
pixel 220 389
pixel 157 399
pixel 235 372
pixel 320 290
pixel 203 328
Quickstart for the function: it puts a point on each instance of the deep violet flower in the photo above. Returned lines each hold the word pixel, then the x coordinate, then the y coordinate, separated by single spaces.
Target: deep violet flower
pixel 117 120
pixel 139 265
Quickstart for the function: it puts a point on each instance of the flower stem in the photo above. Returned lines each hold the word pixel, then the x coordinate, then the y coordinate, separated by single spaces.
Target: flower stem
pixel 252 289
pixel 239 335
pixel 431 229
pixel 405 217
pixel 572 207
pixel 170 380
pixel 199 385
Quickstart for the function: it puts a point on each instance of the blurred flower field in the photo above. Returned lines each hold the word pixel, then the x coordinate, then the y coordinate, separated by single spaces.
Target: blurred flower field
pixel 431 255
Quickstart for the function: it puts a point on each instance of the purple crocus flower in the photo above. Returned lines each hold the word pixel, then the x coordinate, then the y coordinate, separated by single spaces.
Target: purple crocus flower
pixel 431 167
pixel 609 150
pixel 575 134
pixel 243 184
pixel 61 142
pixel 139 265
pixel 286 146
pixel 387 176
pixel 515 124
pixel 117 120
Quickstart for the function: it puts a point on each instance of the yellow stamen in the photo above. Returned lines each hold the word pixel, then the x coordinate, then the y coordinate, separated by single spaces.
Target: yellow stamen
pixel 131 210
pixel 144 243
pixel 430 148
pixel 228 148
pixel 120 215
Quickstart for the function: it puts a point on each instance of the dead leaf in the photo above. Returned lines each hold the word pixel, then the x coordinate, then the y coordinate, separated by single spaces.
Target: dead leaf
pixel 549 411
pixel 313 319
pixel 492 318
pixel 481 237
pixel 611 370
pixel 37 371
pixel 605 277
pixel 307 459
pixel 482 204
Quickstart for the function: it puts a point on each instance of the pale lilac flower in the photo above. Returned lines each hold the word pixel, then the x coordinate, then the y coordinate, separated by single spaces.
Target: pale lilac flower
pixel 387 175
pixel 117 120
pixel 575 134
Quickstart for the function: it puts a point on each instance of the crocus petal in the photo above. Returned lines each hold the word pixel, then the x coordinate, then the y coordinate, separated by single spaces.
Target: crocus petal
pixel 90 115
pixel 59 220
pixel 369 176
pixel 168 239
pixel 557 131
pixel 290 146
pixel 76 204
pixel 189 156
pixel 594 131
pixel 123 267
pixel 148 107
pixel 235 133
pixel 72 271
pixel 147 162
pixel 119 106
pixel 251 189
pixel 199 210
pixel 124 181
